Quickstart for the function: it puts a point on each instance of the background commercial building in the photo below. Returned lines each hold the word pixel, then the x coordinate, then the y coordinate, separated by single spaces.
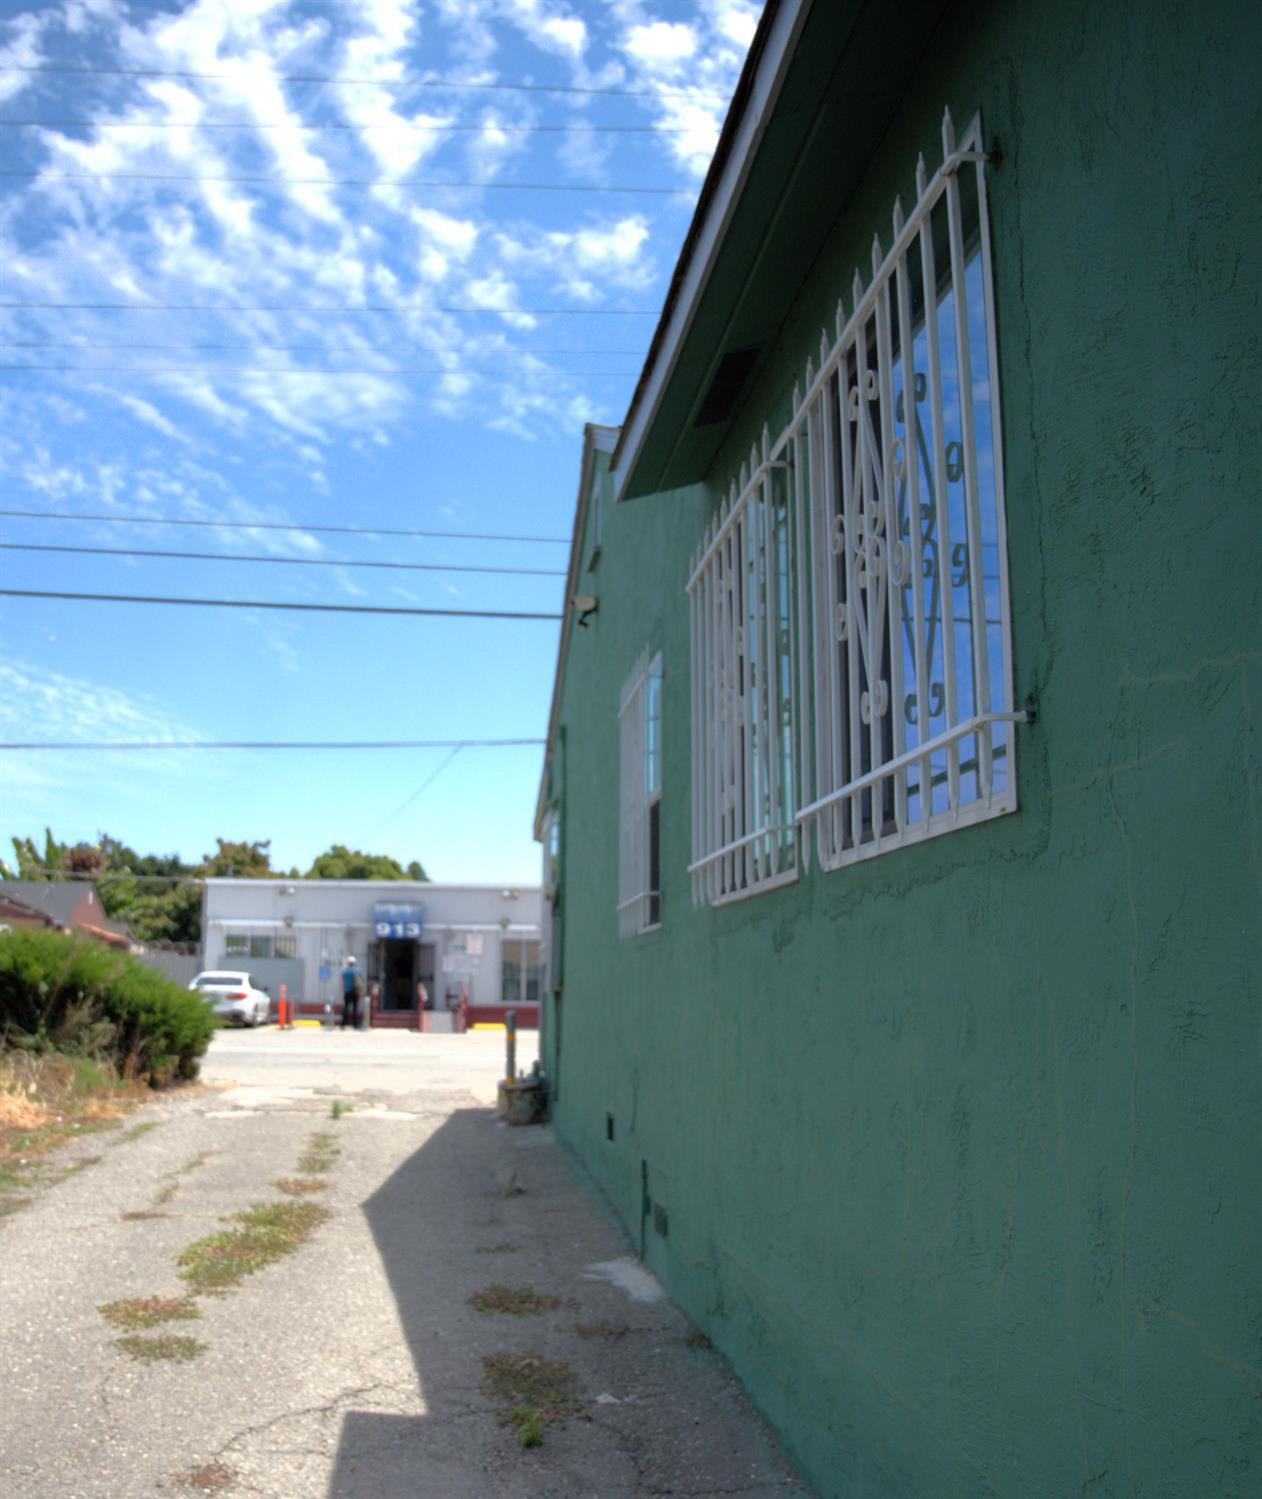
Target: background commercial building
pixel 479 941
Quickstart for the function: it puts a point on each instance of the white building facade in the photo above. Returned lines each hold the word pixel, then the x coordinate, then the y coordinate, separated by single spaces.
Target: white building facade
pixel 449 944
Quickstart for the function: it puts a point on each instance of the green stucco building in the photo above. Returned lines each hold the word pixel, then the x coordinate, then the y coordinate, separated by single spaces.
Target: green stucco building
pixel 903 774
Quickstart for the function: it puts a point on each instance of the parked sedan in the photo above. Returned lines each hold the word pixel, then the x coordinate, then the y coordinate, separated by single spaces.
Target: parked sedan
pixel 235 996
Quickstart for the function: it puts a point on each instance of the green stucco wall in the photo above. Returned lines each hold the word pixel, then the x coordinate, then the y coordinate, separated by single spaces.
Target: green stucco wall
pixel 960 1146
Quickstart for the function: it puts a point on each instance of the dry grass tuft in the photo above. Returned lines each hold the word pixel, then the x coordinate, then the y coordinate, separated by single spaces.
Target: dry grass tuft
pixel 140 1312
pixel 517 1301
pixel 300 1186
pixel 532 1393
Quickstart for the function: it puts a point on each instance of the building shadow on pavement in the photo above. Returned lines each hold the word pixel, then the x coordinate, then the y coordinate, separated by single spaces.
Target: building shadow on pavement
pixel 479 1203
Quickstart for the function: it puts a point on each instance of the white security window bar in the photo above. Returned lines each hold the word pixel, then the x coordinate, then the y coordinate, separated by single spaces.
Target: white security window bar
pixel 744 589
pixel 640 777
pixel 897 460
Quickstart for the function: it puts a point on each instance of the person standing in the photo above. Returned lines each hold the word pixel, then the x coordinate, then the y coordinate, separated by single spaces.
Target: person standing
pixel 352 988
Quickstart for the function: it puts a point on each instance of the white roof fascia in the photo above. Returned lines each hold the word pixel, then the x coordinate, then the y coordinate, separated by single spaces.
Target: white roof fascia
pixel 777 54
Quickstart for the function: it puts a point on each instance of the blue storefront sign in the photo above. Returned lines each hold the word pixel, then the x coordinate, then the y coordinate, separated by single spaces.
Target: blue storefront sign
pixel 403 921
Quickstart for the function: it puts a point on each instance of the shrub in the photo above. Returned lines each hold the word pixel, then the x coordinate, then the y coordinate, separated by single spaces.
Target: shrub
pixel 65 993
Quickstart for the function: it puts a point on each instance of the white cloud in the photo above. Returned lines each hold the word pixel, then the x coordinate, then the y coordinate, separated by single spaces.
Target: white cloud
pixel 661 43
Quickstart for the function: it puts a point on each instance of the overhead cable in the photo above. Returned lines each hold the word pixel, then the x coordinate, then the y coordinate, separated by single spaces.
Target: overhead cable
pixel 386 372
pixel 145 598
pixel 459 127
pixel 409 182
pixel 271 525
pixel 270 348
pixel 399 83
pixel 416 567
pixel 317 311
pixel 270 744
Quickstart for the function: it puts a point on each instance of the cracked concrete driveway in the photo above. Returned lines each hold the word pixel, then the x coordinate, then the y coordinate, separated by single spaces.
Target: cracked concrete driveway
pixel 352 1367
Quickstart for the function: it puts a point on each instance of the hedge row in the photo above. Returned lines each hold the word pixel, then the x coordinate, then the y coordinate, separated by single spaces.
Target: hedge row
pixel 70 994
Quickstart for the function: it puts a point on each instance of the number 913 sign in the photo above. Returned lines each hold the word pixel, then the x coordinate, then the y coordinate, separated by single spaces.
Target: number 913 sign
pixel 407 922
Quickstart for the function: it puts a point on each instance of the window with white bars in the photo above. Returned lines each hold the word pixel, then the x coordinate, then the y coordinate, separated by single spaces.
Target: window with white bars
pixel 640 775
pixel 884 714
pixel 743 597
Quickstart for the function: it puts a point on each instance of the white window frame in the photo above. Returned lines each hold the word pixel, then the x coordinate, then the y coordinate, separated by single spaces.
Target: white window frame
pixel 871 783
pixel 640 790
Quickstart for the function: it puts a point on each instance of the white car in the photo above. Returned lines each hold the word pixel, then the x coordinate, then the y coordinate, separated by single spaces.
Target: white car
pixel 235 996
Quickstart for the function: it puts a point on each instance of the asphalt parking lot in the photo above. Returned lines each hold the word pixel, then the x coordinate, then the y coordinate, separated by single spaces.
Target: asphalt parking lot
pixel 457 1284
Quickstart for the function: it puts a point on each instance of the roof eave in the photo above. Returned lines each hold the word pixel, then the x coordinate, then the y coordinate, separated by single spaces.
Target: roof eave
pixel 596 439
pixel 762 77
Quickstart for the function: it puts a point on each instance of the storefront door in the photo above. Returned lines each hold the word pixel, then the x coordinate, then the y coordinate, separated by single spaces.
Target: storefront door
pixel 403 964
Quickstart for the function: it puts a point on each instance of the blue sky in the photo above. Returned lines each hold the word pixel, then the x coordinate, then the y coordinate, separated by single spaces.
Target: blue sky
pixel 512 317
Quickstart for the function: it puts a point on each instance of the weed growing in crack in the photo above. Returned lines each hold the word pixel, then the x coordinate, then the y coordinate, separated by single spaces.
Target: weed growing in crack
pixel 319 1155
pixel 695 1338
pixel 268 1232
pixel 517 1301
pixel 141 1215
pixel 78 1166
pixel 140 1312
pixel 496 1249
pixel 511 1188
pixel 300 1186
pixel 339 1107
pixel 135 1132
pixel 167 1349
pixel 608 1330
pixel 532 1393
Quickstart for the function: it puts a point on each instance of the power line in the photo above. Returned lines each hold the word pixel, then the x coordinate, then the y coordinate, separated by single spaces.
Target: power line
pixel 144 598
pixel 386 372
pixel 424 786
pixel 327 311
pixel 260 525
pixel 400 83
pixel 410 182
pixel 418 567
pixel 452 128
pixel 272 744
pixel 270 348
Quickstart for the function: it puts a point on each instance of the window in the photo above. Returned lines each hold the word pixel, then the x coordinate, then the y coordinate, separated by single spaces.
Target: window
pixel 286 947
pixel 744 592
pixel 521 971
pixel 236 946
pixel 260 947
pixel 850 614
pixel 640 772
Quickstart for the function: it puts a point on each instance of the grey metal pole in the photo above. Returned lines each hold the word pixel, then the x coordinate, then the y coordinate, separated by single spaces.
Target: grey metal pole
pixel 510 1036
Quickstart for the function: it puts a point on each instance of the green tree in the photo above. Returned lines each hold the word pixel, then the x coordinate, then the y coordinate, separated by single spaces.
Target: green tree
pixel 342 863
pixel 250 861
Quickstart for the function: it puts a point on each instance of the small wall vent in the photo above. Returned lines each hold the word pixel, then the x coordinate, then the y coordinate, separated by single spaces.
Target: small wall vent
pixel 609 1131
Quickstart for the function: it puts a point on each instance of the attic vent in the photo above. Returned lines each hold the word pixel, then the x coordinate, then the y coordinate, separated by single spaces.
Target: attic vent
pixel 726 387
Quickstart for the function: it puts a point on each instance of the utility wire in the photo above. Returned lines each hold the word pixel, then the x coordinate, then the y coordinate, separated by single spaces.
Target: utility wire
pixel 400 83
pixel 271 744
pixel 386 372
pixel 270 348
pixel 145 598
pixel 483 186
pixel 416 567
pixel 259 525
pixel 317 311
pixel 458 127
pixel 424 786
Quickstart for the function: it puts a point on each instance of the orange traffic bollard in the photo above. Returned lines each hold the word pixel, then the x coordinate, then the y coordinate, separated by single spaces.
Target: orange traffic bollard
pixel 284 1007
